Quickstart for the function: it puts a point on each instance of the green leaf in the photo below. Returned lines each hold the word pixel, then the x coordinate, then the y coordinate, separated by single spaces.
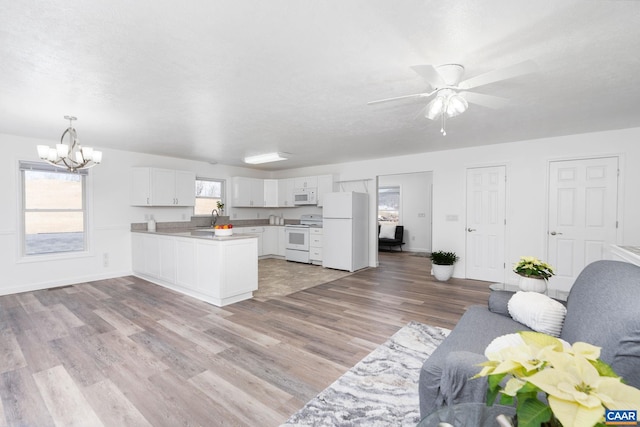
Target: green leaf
pixel 532 413
pixel 505 399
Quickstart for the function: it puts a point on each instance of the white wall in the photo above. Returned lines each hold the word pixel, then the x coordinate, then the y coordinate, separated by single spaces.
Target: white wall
pixel 415 208
pixel 110 216
pixel 527 169
pixel 526 163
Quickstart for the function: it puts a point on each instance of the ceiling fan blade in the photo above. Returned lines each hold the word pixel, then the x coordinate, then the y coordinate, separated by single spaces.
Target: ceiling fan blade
pixel 429 74
pixel 488 101
pixel 415 96
pixel 510 72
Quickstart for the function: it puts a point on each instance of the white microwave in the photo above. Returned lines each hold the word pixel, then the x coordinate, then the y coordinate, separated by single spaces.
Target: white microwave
pixel 304 196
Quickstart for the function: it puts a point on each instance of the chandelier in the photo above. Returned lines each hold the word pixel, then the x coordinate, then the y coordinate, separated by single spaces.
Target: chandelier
pixel 70 155
pixel 447 103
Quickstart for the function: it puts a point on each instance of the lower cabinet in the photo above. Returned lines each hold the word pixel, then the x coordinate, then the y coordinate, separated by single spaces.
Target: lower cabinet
pixel 315 245
pixel 220 272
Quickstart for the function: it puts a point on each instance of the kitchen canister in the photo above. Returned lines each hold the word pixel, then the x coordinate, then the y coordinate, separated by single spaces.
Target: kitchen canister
pixel 272 220
pixel 151 225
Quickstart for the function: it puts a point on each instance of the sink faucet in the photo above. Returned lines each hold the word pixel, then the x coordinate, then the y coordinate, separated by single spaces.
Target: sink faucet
pixel 214 217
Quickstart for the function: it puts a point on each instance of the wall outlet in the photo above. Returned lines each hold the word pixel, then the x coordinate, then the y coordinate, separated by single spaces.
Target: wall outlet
pixel 422 215
pixel 413 238
pixel 184 217
pixel 105 259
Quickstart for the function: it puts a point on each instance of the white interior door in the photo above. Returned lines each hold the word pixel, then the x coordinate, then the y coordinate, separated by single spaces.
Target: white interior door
pixel 486 189
pixel 583 199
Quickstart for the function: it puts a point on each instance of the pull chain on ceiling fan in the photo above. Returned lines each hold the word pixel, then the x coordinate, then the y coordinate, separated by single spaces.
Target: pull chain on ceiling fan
pixel 452 96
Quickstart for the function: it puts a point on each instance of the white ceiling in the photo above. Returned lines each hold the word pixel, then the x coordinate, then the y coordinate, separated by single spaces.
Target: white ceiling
pixel 218 80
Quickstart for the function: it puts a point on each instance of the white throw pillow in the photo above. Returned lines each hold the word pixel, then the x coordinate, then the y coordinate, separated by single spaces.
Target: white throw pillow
pixel 511 340
pixel 537 311
pixel 387 231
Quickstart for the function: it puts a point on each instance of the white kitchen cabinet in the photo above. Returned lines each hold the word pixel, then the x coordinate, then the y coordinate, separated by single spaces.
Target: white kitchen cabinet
pixel 270 241
pixel 186 263
pixel 247 192
pixel 306 182
pixel 162 187
pixel 257 231
pixel 271 193
pixel 315 245
pixel 282 242
pixel 325 185
pixel 167 247
pixel 285 192
pixel 218 271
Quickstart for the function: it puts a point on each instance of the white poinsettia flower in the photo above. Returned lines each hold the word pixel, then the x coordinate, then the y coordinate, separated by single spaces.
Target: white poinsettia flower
pixel 578 394
pixel 588 351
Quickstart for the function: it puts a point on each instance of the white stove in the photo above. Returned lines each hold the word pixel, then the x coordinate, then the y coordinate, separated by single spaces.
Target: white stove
pixel 297 235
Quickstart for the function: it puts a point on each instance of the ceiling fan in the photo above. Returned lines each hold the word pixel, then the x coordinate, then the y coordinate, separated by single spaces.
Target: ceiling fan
pixel 451 93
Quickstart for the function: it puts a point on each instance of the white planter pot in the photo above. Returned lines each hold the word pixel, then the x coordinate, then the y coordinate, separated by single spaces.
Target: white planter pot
pixel 532 284
pixel 442 272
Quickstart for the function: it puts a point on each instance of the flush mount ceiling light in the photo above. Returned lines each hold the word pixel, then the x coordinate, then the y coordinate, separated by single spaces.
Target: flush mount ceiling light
pixel 71 156
pixel 265 158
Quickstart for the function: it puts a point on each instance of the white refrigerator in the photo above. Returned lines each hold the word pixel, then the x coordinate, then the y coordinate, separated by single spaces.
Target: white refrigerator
pixel 345 231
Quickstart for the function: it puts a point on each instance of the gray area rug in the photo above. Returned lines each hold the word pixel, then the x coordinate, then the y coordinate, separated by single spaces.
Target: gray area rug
pixel 381 389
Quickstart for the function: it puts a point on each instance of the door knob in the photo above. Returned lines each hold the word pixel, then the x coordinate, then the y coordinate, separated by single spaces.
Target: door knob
pixel 471 229
pixel 553 233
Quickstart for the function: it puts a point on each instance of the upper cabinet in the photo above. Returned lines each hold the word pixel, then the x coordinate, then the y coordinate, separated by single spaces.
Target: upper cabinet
pixel 306 182
pixel 285 192
pixel 325 185
pixel 271 193
pixel 276 193
pixel 162 187
pixel 247 192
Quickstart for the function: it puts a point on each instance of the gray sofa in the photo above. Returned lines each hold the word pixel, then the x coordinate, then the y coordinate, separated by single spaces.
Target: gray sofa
pixel 603 309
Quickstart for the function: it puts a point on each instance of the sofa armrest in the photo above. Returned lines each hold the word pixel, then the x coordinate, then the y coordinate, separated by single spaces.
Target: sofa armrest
pixel 499 302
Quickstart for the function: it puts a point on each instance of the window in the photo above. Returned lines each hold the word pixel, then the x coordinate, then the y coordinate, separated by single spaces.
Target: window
pixel 54 209
pixel 208 193
pixel 389 204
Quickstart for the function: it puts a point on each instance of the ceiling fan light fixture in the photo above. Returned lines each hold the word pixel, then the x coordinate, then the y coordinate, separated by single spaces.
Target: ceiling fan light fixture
pixel 435 108
pixel 266 158
pixel 456 105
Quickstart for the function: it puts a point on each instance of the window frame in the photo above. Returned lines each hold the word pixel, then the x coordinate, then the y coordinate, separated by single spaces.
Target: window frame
pixel 24 166
pixel 223 192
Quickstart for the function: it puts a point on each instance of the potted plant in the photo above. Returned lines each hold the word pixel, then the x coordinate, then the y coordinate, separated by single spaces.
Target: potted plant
pixel 442 264
pixel 220 207
pixel 533 274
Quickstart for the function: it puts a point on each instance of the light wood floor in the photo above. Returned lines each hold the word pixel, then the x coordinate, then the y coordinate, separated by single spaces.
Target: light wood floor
pixel 124 352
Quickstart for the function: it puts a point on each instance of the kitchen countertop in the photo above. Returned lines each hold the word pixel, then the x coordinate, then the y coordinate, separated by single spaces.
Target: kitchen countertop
pixel 204 234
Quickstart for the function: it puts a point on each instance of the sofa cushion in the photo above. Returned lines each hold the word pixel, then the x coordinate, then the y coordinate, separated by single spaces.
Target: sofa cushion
pixel 537 311
pixel 471 336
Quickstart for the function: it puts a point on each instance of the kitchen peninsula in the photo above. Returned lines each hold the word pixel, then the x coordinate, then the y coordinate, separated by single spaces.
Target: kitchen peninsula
pixel 218 270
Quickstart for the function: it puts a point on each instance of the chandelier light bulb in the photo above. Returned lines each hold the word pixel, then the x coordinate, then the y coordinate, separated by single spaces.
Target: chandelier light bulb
pixel 70 155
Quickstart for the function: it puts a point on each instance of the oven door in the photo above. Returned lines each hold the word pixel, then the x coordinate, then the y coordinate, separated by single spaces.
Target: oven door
pixel 297 238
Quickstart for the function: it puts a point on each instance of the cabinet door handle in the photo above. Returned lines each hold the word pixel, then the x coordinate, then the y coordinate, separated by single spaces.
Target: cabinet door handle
pixel 471 229
pixel 147 200
pixel 553 233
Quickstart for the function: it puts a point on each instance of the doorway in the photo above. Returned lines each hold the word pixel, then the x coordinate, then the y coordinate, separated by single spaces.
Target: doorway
pixel 406 199
pixel 582 217
pixel 486 223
